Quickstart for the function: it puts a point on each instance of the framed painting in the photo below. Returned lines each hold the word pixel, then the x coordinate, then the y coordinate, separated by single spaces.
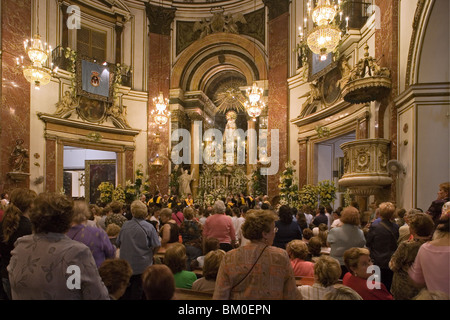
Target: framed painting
pixel 94 80
pixel 96 172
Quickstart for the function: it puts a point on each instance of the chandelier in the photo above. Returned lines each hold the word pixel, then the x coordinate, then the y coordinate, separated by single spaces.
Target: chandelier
pixel 161 115
pixel 255 104
pixel 38 73
pixel 325 35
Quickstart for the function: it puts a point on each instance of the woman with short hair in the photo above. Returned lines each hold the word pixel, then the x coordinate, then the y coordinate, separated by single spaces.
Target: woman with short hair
pixel 346 236
pixel 382 240
pixel 61 268
pixel 220 226
pixel 357 261
pixel 258 270
pixel 326 274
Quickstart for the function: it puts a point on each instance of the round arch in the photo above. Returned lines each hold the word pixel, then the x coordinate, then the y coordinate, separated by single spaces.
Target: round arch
pixel 204 55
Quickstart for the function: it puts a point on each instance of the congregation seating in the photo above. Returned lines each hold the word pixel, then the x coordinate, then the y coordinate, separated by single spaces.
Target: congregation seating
pixel 188 294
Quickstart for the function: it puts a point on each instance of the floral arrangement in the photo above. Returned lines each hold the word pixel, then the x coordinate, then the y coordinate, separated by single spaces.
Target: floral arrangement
pixel 324 193
pixel 132 191
pixel 288 186
pixel 118 194
pixel 106 192
pixel 308 196
pixel 257 183
pixel 327 192
pixel 212 184
pixel 347 198
pixel 173 179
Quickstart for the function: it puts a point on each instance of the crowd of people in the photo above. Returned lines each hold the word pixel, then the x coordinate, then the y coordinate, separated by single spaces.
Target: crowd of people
pixel 54 247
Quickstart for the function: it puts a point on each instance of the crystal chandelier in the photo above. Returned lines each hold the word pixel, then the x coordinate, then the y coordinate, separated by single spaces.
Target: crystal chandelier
pixel 325 36
pixel 38 73
pixel 255 104
pixel 161 115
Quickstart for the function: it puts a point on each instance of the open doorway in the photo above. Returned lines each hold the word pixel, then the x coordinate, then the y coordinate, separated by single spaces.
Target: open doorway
pixel 329 162
pixel 85 169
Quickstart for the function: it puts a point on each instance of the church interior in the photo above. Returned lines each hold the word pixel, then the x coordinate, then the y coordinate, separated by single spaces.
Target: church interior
pixel 352 93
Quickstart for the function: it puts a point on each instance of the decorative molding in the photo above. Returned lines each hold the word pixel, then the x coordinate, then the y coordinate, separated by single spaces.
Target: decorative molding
pixel 365 166
pixel 159 18
pixel 47 118
pixel 412 45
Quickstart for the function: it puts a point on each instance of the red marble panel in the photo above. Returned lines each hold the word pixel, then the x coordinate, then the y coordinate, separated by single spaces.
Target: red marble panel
pixel 159 75
pixel 278 91
pixel 50 165
pixel 129 161
pixel 302 164
pixel 15 92
pixel 386 48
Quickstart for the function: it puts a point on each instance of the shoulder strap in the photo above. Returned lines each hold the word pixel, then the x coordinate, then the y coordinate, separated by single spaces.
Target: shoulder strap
pixel 249 271
pixel 389 229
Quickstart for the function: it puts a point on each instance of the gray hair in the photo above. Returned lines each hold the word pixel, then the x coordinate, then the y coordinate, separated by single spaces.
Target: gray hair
pixel 219 207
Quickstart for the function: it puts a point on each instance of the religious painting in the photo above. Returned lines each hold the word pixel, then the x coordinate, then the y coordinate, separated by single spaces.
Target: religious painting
pixel 94 80
pixel 96 172
pixel 92 110
pixel 331 89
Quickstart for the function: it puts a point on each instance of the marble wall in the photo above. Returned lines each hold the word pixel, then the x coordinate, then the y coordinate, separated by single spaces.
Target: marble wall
pixel 278 92
pixel 15 92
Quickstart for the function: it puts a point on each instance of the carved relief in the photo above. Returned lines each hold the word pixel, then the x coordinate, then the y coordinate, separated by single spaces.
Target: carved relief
pixel 219 22
pixel 66 105
pixel 367 81
pixel 362 159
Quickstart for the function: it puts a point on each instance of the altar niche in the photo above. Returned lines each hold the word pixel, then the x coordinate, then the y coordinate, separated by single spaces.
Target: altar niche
pixel 241 148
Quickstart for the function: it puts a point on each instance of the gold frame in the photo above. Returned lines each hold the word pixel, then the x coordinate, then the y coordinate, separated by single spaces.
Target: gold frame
pixel 88 182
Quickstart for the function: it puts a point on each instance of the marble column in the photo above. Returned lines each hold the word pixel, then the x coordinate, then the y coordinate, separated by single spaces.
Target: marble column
pixel 386 49
pixel 278 43
pixel 302 162
pixel 50 164
pixel 160 20
pixel 195 153
pixel 15 91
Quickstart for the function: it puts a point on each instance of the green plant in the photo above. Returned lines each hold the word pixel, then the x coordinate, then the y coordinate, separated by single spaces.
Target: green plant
pixel 71 55
pixel 288 186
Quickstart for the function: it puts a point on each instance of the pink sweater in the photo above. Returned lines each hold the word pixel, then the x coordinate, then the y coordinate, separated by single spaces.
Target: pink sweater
pixel 431 267
pixel 302 268
pixel 219 226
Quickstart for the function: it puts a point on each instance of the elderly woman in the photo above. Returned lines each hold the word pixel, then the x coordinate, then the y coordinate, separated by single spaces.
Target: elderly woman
pixel 220 226
pixel 432 263
pixel 15 224
pixel 191 233
pixel 158 282
pixel 298 253
pixel 95 238
pixel 347 236
pixel 207 283
pixel 138 242
pixel 169 230
pixel 60 268
pixel 175 258
pixel 326 274
pixel 257 271
pixel 358 261
pixel 421 226
pixel 381 240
